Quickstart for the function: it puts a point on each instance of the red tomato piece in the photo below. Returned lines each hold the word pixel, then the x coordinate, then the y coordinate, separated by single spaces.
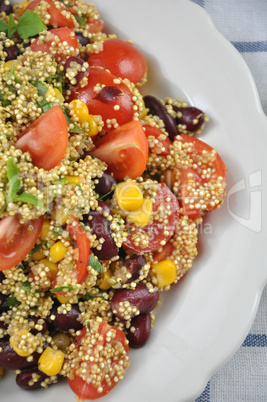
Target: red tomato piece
pixel 106 374
pixel 156 232
pixel 122 59
pixel 203 181
pixel 57 19
pixel 166 252
pixel 94 26
pixel 163 146
pixel 46 139
pixel 66 35
pixel 78 234
pixel 103 102
pixel 17 240
pixel 125 150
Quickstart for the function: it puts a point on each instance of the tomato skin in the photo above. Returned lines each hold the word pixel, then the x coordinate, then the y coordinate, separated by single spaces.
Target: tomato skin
pixel 87 94
pixel 57 19
pixel 218 170
pixel 156 132
pixel 122 59
pixel 155 230
pixel 42 136
pixel 95 26
pixel 87 391
pixel 82 241
pixel 65 35
pixel 17 240
pixel 125 150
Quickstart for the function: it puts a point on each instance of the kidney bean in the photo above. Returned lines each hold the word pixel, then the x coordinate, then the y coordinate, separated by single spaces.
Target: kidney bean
pixel 6 7
pixel 3 325
pixel 83 40
pixel 35 331
pixel 157 108
pixel 191 117
pixel 76 60
pixel 134 265
pixel 105 184
pixel 2 277
pixel 2 301
pixel 100 226
pixel 140 297
pixel 10 360
pixel 67 321
pixel 23 379
pixel 12 52
pixel 142 325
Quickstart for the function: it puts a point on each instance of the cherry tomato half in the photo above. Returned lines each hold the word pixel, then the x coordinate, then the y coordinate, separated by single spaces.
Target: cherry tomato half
pixel 204 177
pixel 122 59
pixel 98 351
pixel 162 147
pixel 40 138
pixel 156 232
pixel 113 101
pixel 125 150
pixel 17 240
pixel 65 35
pixel 57 18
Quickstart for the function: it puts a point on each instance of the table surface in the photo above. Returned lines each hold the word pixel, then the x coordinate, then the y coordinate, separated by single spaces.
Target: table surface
pixel 243 378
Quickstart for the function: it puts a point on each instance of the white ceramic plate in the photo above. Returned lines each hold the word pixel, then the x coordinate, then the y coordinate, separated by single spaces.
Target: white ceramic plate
pixel 205 318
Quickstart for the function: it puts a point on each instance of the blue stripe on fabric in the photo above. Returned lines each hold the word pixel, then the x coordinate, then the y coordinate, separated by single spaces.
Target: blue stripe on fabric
pixel 255 340
pixel 199 2
pixel 205 396
pixel 259 46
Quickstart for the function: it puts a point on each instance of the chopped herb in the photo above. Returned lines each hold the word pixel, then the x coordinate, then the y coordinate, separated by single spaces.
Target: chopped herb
pixel 58 230
pixel 74 127
pixel 14 183
pixel 95 264
pixel 13 74
pixel 81 19
pixel 29 24
pixel 42 91
pixel 26 286
pixel 87 297
pixel 88 325
pixel 36 248
pixel 62 181
pixel 104 195
pixel 62 288
pixel 11 301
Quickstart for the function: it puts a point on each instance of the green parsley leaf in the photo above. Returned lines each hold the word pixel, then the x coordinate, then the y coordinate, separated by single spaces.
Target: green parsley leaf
pixel 58 230
pixel 30 24
pixel 62 181
pixel 12 26
pixel 74 127
pixel 36 248
pixel 26 286
pixel 29 199
pixel 95 264
pixel 41 91
pixel 105 195
pixel 3 27
pixel 62 288
pixel 11 301
pixel 13 74
pixel 81 19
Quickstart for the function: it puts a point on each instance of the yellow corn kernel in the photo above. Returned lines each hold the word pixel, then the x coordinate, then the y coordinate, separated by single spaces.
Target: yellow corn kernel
pixel 104 284
pixel 20 7
pixel 165 271
pixel 129 196
pixel 51 361
pixel 23 342
pixel 93 128
pixel 141 216
pixel 55 93
pixel 10 63
pixel 53 268
pixel 80 109
pixel 61 215
pixel 63 299
pixel 45 230
pixel 58 251
pixel 72 180
pixel 1 372
pixel 38 255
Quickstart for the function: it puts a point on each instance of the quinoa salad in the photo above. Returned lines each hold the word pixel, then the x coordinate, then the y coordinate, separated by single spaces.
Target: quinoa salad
pixel 102 190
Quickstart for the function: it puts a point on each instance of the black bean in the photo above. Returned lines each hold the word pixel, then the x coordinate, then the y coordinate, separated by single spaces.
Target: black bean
pixel 64 322
pixel 190 117
pixel 140 297
pixel 157 108
pixel 142 325
pixel 10 360
pixel 134 264
pixel 35 331
pixel 100 227
pixel 70 62
pixel 2 277
pixel 105 184
pixel 83 40
pixel 2 301
pixel 12 52
pixel 6 8
pixel 25 378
